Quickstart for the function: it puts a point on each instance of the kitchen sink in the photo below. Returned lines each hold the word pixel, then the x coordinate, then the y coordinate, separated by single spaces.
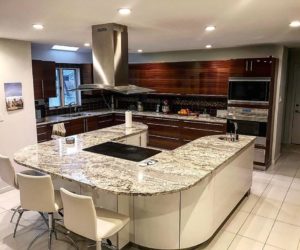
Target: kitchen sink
pixel 73 115
pixel 77 114
pixel 225 138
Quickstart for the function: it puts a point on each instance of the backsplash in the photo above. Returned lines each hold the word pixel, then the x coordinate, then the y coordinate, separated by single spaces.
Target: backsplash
pixel 176 102
pixel 210 104
pixel 88 102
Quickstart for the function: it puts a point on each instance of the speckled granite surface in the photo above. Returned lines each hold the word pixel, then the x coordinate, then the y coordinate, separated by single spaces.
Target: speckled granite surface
pixel 60 118
pixel 175 170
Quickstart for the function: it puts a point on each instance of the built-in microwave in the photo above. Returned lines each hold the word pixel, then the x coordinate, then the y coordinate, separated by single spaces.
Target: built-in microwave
pixel 249 89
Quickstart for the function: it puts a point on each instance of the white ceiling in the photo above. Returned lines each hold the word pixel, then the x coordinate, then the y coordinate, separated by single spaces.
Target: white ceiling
pixel 155 25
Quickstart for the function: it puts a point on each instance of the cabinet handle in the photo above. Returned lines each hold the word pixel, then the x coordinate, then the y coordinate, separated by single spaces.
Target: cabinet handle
pixel 43 126
pixel 247 65
pixel 165 137
pixel 251 65
pixel 42 134
pixel 162 125
pixel 205 123
pixel 199 129
pixel 43 92
pixel 163 119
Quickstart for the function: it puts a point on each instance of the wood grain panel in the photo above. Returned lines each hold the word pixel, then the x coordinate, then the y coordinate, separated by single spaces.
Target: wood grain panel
pixel 205 78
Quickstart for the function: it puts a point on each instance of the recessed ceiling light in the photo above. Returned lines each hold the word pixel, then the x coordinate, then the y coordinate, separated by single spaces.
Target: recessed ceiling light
pixel 124 11
pixel 38 26
pixel 295 24
pixel 62 47
pixel 139 50
pixel 210 28
pixel 87 44
pixel 208 46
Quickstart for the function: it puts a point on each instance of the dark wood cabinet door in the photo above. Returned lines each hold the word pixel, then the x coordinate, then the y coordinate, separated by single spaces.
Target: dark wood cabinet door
pixel 238 67
pixel 37 75
pixel 44 132
pixel 204 78
pixel 262 67
pixel 43 74
pixel 91 123
pixel 86 73
pixel 105 121
pixel 74 127
pixel 163 142
pixel 49 79
pixel 119 119
pixel 252 67
pixel 191 130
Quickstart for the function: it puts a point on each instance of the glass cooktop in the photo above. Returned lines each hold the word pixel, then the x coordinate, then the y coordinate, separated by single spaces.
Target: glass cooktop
pixel 123 151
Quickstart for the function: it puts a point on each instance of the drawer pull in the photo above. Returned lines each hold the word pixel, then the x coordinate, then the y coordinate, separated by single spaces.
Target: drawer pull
pixel 162 125
pixel 206 123
pixel 199 129
pixel 165 137
pixel 41 126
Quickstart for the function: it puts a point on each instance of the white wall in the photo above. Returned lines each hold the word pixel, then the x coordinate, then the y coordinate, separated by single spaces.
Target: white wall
pixel 279 102
pixel 205 55
pixel 18 128
pixel 45 53
pixel 294 60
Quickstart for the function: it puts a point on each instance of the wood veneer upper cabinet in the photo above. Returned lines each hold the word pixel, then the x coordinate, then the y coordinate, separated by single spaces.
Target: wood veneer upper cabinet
pixel 252 67
pixel 208 78
pixel 43 79
pixel 86 73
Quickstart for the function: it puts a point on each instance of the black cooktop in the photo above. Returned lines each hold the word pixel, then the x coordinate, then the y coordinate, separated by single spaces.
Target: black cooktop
pixel 122 151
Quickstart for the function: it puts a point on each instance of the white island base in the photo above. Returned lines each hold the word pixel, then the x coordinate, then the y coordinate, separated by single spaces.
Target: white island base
pixel 183 219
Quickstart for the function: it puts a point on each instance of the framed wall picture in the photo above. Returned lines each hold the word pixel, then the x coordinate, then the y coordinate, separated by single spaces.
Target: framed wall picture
pixel 13 96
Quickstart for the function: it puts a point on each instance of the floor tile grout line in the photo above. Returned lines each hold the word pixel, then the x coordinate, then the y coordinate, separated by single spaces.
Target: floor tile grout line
pixel 274 220
pixel 237 234
pixel 281 207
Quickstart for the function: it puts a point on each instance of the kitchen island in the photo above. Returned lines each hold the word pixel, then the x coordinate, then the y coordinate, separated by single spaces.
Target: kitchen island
pixel 176 203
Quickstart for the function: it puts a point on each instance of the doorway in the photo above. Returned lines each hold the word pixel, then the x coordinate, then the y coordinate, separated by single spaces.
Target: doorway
pixel 296 108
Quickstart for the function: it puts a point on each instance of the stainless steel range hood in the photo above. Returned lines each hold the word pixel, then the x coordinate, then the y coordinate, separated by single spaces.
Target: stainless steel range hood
pixel 110 60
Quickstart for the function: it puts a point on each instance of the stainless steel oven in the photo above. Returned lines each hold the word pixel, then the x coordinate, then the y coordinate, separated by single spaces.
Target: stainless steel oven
pixel 254 128
pixel 243 90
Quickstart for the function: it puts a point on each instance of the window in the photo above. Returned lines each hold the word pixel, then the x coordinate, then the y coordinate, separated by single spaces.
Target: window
pixel 67 79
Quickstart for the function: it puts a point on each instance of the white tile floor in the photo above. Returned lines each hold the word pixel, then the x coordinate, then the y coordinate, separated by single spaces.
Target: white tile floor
pixel 268 219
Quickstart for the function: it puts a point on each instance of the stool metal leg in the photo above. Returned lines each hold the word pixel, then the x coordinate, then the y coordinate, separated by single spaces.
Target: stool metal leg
pixel 98 245
pixel 44 218
pixel 15 210
pixel 35 239
pixel 50 225
pixel 17 224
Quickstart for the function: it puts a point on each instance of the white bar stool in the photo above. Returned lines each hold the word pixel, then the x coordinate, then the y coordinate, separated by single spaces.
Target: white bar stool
pixel 96 223
pixel 37 194
pixel 8 175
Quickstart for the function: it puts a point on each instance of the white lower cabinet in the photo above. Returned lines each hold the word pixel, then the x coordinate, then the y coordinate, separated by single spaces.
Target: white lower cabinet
pixel 259 155
pixel 139 140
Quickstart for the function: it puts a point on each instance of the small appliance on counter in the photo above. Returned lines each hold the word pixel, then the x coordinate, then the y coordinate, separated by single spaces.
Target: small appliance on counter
pixel 40 110
pixel 157 108
pixel 165 107
pixel 140 107
pixel 222 113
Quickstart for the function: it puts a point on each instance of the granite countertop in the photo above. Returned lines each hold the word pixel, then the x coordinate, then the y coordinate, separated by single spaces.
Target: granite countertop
pixel 60 118
pixel 175 170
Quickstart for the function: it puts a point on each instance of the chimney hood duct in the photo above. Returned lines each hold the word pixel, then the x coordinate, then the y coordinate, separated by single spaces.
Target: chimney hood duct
pixel 110 60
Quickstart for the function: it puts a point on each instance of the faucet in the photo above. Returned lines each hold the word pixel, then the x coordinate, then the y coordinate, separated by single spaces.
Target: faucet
pixel 233 129
pixel 70 107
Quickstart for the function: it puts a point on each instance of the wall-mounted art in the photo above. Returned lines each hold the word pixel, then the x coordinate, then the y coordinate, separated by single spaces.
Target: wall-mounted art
pixel 13 96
